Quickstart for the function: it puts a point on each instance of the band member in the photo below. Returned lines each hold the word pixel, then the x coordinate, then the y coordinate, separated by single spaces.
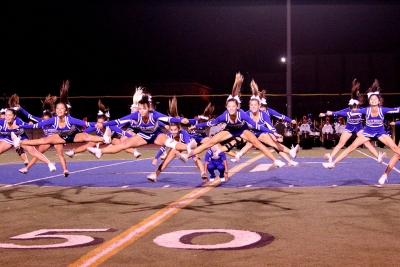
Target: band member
pixel 304 131
pixel 327 131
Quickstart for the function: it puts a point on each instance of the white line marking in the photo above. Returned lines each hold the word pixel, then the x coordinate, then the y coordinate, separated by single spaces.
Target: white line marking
pixel 58 175
pixel 376 160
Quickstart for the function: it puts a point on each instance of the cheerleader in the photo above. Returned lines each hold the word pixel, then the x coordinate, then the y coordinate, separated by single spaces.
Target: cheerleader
pixel 20 151
pixel 10 126
pixel 374 115
pixel 68 132
pixel 132 129
pixel 149 130
pixel 262 118
pixel 392 162
pixel 103 115
pixel 48 111
pixel 178 134
pixel 353 126
pixel 214 162
pixel 236 126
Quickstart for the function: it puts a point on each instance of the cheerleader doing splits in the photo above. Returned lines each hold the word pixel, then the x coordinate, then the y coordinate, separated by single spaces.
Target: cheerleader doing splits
pixel 374 115
pixel 116 133
pixel 20 151
pixel 149 130
pixel 48 111
pixel 9 126
pixel 353 125
pixel 68 132
pixel 236 125
pixel 261 117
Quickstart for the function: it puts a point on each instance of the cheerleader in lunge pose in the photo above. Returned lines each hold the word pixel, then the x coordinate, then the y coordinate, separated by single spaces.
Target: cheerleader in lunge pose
pixel 236 126
pixel 354 124
pixel 68 132
pixel 9 126
pixel 180 135
pixel 149 130
pixel 374 115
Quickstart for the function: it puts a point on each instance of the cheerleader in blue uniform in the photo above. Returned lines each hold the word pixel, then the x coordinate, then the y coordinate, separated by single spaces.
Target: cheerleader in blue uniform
pixel 10 126
pixel 67 127
pixel 117 133
pixel 178 134
pixel 132 129
pixel 48 111
pixel 353 125
pixel 213 162
pixel 263 118
pixel 374 116
pixel 236 126
pixel 393 160
pixel 20 151
pixel 149 130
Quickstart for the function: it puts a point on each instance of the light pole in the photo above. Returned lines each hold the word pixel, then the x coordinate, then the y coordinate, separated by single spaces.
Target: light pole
pixel 288 60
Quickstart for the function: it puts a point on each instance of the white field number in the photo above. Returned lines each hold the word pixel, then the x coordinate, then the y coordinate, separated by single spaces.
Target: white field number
pixel 71 240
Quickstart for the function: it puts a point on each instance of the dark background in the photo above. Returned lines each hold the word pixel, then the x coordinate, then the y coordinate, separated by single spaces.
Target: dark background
pixel 150 42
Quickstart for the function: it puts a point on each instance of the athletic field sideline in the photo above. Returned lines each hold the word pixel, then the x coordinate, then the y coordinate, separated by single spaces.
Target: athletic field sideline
pixel 106 213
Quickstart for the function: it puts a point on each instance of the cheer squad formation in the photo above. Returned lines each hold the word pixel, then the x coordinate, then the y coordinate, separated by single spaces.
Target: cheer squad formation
pixel 234 128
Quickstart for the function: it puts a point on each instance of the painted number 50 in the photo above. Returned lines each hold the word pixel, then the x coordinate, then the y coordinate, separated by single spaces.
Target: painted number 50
pixel 71 240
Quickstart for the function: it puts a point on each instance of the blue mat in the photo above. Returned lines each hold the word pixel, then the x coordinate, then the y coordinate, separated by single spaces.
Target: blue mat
pixel 132 174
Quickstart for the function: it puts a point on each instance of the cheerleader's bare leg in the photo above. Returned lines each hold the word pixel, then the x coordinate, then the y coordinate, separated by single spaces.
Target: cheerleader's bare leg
pixel 4 146
pixel 393 160
pixel 342 141
pixel 218 138
pixel 41 149
pixel 250 137
pixel 358 142
pixel 63 162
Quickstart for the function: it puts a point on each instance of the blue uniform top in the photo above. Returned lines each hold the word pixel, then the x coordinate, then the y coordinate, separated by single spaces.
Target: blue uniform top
pixel 148 128
pixel 352 117
pixel 264 119
pixel 270 112
pixel 375 122
pixel 242 121
pixel 47 130
pixel 69 128
pixel 209 156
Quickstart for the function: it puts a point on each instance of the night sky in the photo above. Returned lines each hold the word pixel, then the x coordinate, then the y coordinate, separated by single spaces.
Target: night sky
pixel 45 42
